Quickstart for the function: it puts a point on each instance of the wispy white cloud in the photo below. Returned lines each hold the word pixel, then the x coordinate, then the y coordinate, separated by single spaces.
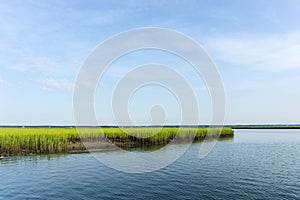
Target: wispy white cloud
pixel 35 63
pixel 2 82
pixel 283 84
pixel 272 53
pixel 106 18
pixel 45 65
pixel 54 84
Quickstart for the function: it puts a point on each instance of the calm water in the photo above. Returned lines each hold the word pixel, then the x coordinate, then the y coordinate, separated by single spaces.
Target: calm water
pixel 256 164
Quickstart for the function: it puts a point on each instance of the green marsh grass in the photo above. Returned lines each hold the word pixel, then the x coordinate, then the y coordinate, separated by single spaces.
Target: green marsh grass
pixel 26 141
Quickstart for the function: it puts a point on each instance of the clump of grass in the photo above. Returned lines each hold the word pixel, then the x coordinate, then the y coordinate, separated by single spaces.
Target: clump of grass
pixel 16 141
pixel 26 141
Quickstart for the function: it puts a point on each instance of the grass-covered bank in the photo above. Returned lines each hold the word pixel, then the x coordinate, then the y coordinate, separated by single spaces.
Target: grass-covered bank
pixel 26 141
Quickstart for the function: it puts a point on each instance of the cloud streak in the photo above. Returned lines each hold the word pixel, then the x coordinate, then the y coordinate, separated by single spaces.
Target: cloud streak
pixel 45 65
pixel 51 84
pixel 272 53
pixel 2 82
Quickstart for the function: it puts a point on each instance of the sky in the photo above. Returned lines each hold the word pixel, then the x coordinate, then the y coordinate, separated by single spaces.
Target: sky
pixel 255 46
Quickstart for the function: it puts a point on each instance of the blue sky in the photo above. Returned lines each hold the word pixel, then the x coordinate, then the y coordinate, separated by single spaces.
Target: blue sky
pixel 254 44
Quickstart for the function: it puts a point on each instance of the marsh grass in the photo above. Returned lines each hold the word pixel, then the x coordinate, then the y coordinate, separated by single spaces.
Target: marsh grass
pixel 26 141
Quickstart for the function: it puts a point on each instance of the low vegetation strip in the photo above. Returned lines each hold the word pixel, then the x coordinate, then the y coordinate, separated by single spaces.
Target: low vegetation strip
pixel 26 141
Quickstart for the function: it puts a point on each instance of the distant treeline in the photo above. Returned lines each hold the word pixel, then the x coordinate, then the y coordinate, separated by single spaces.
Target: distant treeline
pixel 258 126
pixel 264 126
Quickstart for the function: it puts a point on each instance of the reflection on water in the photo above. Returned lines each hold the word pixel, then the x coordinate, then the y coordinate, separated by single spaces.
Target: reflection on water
pixel 256 164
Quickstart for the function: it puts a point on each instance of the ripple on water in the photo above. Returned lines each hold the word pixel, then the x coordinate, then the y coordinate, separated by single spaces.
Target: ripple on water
pixel 241 168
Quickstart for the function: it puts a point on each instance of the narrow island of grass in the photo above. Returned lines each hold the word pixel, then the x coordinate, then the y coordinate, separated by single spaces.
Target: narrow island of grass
pixel 27 141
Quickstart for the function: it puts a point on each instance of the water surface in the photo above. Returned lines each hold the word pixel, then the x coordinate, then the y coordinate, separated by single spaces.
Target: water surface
pixel 256 164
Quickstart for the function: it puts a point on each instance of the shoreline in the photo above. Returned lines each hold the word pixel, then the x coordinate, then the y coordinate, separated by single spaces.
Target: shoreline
pixel 114 145
pixel 80 148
